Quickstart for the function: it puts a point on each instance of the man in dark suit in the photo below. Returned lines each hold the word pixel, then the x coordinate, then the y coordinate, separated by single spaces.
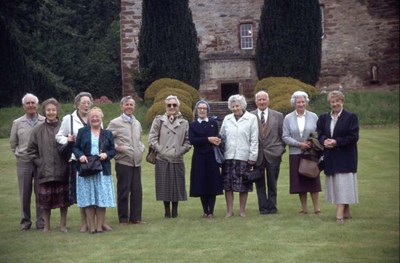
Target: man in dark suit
pixel 270 150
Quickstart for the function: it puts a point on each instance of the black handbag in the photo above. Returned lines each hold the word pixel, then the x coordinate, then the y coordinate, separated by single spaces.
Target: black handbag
pixel 65 150
pixel 151 156
pixel 91 167
pixel 251 175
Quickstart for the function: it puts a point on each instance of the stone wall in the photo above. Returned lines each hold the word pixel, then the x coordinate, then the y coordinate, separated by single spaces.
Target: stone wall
pixel 359 35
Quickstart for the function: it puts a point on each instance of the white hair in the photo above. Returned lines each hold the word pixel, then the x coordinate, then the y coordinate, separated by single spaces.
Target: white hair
pixel 237 98
pixel 297 94
pixel 31 95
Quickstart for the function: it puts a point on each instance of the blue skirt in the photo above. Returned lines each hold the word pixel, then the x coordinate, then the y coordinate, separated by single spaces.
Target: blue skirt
pixel 96 190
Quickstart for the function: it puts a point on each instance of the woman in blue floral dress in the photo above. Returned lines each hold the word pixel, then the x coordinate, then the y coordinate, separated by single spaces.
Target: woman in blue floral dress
pixel 95 192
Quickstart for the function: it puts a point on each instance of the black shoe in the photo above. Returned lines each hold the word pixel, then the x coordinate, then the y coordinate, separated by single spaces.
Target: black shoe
pixel 174 209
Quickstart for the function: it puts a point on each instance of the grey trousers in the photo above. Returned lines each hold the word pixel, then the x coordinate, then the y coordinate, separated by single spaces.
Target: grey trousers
pixel 27 175
pixel 129 193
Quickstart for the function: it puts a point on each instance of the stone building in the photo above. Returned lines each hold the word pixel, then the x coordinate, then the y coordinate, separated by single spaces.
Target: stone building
pixel 360 47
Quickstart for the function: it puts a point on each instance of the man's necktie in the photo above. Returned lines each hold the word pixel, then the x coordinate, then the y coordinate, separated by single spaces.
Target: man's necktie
pixel 262 118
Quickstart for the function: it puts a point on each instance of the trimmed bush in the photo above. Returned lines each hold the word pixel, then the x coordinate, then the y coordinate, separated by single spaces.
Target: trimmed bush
pixel 280 89
pixel 163 83
pixel 182 95
pixel 158 108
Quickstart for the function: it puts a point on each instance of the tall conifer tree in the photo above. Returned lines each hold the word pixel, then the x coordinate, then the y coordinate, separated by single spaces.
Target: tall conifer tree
pixel 289 40
pixel 167 44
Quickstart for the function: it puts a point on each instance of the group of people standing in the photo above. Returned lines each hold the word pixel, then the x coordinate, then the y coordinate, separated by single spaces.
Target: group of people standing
pixel 247 139
pixel 255 139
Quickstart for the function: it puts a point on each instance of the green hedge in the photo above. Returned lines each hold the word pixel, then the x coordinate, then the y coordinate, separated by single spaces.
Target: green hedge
pixel 280 90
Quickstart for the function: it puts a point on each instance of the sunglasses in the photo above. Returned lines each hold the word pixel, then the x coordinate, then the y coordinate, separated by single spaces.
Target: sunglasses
pixel 173 105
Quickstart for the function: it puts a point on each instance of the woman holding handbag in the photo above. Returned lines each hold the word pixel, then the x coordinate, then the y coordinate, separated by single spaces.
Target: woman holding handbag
pixel 66 136
pixel 297 127
pixel 95 192
pixel 169 137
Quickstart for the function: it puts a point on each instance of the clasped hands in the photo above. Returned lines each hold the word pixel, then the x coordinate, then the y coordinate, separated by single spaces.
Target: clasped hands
pixel 83 158
pixel 214 140
pixel 329 143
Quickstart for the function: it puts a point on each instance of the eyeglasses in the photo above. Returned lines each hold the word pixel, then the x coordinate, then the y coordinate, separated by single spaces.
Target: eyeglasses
pixel 202 108
pixel 173 105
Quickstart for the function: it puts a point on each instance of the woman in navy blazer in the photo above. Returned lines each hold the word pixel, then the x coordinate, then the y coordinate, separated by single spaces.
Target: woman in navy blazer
pixel 338 132
pixel 205 176
pixel 95 192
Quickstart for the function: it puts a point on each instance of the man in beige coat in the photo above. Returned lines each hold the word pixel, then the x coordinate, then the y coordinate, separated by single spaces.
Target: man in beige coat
pixel 127 132
pixel 27 174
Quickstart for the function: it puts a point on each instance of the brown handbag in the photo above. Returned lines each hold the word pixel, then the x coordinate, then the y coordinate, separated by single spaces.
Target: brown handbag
pixel 308 168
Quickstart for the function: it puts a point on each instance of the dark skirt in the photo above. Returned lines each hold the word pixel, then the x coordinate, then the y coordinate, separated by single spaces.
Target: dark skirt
pixel 170 181
pixel 53 195
pixel 232 175
pixel 205 175
pixel 299 183
pixel 72 183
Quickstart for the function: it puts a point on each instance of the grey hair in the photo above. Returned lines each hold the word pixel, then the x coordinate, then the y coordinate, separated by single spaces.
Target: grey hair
pixel 237 98
pixel 335 94
pixel 125 99
pixel 260 92
pixel 80 95
pixel 52 101
pixel 27 95
pixel 298 94
pixel 172 97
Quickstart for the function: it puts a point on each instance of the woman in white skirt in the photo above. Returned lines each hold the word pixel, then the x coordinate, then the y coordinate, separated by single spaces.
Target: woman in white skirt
pixel 338 132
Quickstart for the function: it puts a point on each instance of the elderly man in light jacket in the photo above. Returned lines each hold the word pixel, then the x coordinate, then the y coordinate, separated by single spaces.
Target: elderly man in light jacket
pixel 127 132
pixel 26 171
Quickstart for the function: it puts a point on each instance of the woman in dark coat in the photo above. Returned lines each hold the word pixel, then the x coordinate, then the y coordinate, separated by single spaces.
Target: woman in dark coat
pixel 53 181
pixel 205 176
pixel 338 132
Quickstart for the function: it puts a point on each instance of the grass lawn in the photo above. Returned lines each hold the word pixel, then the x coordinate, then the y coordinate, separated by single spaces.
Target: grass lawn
pixel 372 235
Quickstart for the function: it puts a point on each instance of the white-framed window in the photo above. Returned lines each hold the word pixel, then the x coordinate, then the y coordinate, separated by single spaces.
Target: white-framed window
pixel 246 36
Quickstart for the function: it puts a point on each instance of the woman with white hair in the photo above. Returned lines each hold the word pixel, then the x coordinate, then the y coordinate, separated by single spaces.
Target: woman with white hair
pixel 169 137
pixel 297 127
pixel 240 129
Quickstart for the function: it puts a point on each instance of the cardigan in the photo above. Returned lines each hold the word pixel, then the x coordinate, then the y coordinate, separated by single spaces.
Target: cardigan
pixel 291 133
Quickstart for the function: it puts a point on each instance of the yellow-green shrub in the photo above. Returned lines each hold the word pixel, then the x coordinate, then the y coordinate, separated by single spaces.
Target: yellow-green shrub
pixel 182 95
pixel 280 90
pixel 163 83
pixel 158 108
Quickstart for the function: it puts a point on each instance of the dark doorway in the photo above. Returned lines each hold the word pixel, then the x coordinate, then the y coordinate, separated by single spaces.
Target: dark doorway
pixel 228 89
